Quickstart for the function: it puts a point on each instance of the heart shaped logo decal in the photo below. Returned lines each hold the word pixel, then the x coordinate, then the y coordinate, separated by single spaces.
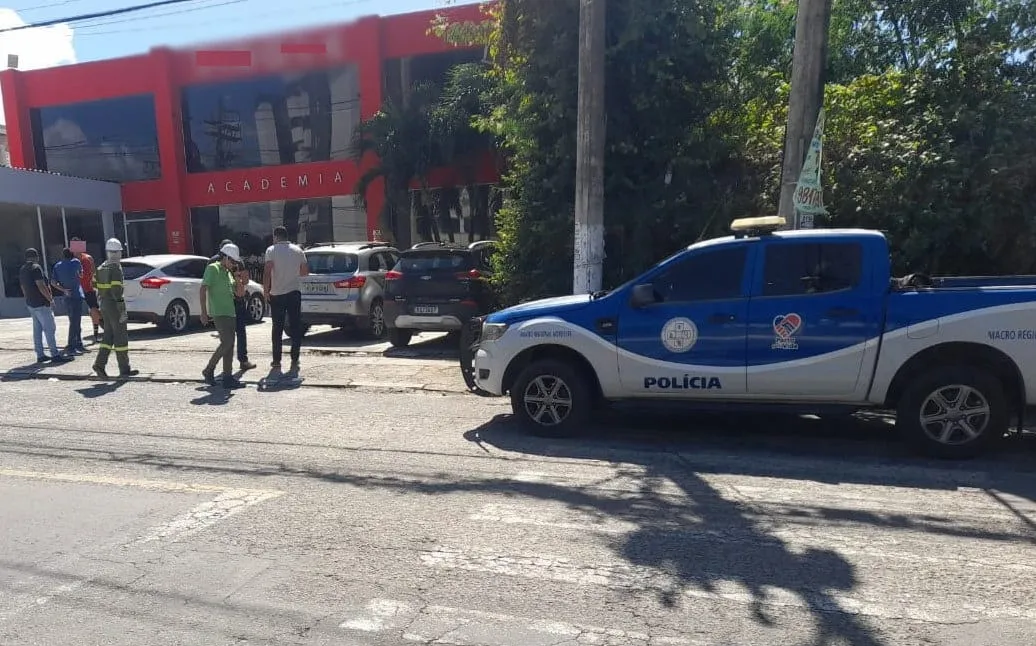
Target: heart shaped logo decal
pixel 786 325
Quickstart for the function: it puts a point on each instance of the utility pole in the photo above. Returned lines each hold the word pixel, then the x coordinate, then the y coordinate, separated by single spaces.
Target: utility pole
pixel 588 268
pixel 807 95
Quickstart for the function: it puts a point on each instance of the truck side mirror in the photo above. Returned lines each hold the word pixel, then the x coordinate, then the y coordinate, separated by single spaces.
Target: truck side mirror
pixel 643 295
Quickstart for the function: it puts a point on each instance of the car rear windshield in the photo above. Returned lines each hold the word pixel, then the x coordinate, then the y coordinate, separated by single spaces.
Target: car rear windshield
pixel 430 261
pixel 331 263
pixel 134 270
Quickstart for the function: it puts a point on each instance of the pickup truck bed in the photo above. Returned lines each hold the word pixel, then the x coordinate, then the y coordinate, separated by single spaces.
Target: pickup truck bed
pixel 800 319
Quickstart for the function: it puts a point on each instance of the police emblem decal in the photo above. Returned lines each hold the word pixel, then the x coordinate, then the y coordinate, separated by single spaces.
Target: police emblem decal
pixel 679 334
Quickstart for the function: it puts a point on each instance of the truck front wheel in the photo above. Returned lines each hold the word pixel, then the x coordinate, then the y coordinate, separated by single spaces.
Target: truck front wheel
pixel 551 398
pixel 953 412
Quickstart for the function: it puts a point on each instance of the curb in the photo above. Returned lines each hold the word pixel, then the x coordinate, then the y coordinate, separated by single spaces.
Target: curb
pixel 385 387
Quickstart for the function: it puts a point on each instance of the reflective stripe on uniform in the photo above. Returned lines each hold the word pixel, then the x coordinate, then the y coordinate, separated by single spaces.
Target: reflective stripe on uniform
pixel 104 285
pixel 115 282
pixel 105 346
pixel 120 348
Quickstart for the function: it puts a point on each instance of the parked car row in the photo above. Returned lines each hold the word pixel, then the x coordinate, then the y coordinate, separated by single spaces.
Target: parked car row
pixel 370 287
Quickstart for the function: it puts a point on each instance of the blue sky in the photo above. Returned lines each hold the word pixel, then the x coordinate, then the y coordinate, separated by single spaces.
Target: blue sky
pixel 198 21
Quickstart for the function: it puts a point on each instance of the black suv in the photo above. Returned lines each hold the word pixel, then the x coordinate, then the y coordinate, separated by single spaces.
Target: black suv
pixel 437 287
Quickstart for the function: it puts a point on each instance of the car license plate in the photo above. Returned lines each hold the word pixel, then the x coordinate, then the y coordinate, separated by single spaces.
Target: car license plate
pixel 317 288
pixel 426 309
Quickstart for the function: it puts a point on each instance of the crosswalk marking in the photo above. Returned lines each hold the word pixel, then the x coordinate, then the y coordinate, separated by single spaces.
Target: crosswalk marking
pixel 436 624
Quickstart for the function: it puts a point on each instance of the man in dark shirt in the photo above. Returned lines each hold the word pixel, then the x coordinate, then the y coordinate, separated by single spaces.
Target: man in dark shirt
pixel 39 300
pixel 240 307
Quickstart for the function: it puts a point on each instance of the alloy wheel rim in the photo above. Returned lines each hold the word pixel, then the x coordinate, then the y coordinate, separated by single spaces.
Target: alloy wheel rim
pixel 177 317
pixel 955 414
pixel 548 400
pixel 256 307
pixel 377 320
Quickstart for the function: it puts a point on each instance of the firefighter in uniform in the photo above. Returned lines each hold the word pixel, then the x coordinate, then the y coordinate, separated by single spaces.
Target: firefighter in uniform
pixel 108 284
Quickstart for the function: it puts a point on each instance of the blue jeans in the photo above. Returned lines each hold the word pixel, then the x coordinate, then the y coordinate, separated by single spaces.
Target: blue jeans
pixel 43 323
pixel 75 323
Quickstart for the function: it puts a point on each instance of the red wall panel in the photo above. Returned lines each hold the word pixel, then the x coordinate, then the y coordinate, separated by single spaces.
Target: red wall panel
pixel 164 72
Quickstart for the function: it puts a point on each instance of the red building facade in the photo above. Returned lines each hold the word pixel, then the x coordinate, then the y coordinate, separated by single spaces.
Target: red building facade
pixel 230 140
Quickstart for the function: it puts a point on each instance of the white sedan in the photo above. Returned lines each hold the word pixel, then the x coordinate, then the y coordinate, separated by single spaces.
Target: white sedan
pixel 164 289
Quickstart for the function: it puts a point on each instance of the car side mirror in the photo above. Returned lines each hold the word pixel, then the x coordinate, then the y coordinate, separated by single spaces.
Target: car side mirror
pixel 643 295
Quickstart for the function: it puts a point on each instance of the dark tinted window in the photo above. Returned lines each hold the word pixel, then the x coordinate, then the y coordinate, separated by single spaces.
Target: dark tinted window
pixel 134 270
pixel 706 275
pixel 331 263
pixel 112 139
pixel 796 269
pixel 271 120
pixel 429 261
pixel 425 68
pixel 186 269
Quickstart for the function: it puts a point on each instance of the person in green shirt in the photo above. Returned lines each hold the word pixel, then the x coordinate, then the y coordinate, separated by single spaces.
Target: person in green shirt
pixel 217 303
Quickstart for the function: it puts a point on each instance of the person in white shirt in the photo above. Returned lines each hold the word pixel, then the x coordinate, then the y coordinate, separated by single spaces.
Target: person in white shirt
pixel 282 286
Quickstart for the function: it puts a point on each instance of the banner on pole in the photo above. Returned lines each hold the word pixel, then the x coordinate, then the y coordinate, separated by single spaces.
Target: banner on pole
pixel 809 195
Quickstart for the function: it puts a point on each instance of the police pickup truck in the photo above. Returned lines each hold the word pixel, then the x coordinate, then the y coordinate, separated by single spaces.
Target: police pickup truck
pixel 808 321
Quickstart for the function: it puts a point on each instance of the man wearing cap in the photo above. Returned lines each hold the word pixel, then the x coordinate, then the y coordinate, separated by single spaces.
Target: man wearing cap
pixel 240 308
pixel 217 303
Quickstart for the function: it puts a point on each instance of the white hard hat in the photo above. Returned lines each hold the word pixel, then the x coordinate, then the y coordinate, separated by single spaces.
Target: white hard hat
pixel 231 251
pixel 113 245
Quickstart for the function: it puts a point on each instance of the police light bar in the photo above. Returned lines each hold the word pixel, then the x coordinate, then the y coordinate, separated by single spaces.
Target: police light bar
pixel 765 224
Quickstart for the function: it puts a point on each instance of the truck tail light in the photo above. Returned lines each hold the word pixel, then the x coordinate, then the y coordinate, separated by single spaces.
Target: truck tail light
pixel 353 282
pixel 154 283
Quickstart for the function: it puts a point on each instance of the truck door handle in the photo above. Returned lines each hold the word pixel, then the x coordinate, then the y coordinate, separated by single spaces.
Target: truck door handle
pixel 720 317
pixel 842 312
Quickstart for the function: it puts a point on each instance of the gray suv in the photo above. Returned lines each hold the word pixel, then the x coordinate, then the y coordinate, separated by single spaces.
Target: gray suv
pixel 345 286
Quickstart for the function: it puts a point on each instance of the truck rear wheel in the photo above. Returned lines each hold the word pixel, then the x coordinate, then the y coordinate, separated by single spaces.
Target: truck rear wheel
pixel 551 398
pixel 953 412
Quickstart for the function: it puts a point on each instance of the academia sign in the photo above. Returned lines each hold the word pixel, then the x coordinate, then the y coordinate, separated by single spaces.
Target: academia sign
pixel 279 183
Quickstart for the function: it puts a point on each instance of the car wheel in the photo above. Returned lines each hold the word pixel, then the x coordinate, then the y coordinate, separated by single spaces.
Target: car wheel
pixel 256 308
pixel 400 338
pixel 953 412
pixel 177 316
pixel 551 398
pixel 376 319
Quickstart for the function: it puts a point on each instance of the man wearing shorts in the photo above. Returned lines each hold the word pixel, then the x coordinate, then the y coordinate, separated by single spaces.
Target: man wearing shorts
pixel 78 247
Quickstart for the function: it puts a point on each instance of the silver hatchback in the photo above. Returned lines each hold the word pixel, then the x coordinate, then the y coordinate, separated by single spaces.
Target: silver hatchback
pixel 345 286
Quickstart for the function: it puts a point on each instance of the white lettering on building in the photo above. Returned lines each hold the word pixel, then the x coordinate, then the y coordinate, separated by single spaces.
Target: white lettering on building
pixel 302 181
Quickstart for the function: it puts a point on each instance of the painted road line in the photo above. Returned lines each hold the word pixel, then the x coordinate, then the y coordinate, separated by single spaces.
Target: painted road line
pixel 229 502
pixel 561 519
pixel 462 627
pixel 633 578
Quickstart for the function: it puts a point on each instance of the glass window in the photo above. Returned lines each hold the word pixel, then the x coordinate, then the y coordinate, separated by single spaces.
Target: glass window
pixel 89 227
pixel 21 230
pixel 426 68
pixel 194 268
pixel 111 139
pixel 271 120
pixel 794 269
pixel 704 276
pixel 133 270
pixel 325 262
pixel 250 226
pixel 145 233
pixel 429 261
pixel 53 236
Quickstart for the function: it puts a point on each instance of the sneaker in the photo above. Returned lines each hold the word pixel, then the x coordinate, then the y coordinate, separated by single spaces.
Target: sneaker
pixel 208 377
pixel 129 373
pixel 42 359
pixel 231 383
pixel 247 365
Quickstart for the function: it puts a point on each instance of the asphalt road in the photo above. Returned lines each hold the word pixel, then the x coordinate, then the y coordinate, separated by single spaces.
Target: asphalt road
pixel 161 514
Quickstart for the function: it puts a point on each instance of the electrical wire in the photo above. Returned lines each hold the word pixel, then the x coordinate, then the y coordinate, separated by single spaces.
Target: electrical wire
pixel 97 14
pixel 86 30
pixel 104 23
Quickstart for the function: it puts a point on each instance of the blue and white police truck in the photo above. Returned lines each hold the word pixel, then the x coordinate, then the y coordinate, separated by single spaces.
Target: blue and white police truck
pixel 807 321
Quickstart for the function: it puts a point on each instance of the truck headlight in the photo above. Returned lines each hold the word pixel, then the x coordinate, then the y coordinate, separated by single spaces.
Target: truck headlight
pixel 493 331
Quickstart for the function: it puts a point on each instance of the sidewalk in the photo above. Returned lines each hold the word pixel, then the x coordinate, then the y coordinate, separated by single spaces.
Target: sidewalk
pixel 329 360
